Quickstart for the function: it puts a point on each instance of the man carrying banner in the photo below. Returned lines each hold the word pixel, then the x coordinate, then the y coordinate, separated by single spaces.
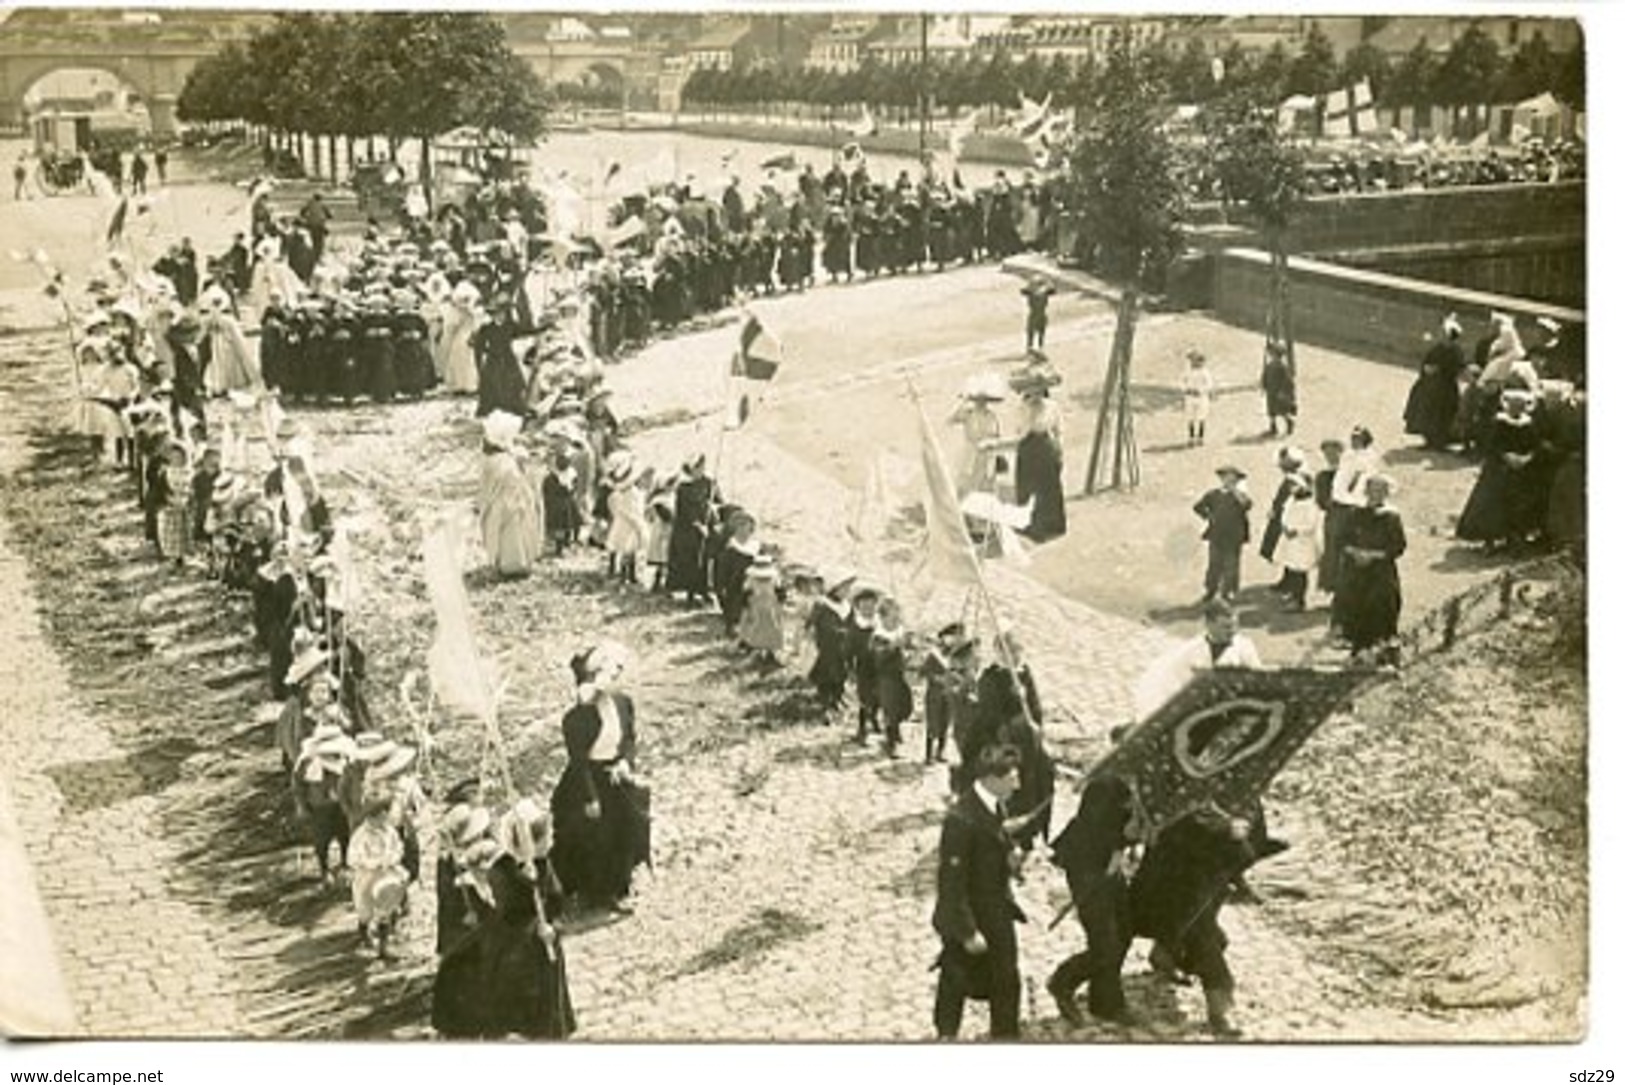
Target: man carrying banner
pixel 1097 850
pixel 1220 644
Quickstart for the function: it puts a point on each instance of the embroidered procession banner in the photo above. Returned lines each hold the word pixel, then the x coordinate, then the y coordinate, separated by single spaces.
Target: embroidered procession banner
pixel 1223 737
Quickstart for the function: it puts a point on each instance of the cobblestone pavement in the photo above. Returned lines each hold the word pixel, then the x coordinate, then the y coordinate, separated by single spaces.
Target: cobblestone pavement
pixel 137 959
pixel 795 870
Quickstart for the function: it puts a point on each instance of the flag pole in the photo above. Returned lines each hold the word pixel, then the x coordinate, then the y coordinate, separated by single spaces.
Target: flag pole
pixel 1000 644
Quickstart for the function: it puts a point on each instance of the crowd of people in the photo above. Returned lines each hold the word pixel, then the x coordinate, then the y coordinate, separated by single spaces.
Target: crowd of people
pixel 1520 413
pixel 172 387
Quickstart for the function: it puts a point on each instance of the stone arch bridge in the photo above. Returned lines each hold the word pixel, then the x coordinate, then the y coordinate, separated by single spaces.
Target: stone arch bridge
pixel 154 60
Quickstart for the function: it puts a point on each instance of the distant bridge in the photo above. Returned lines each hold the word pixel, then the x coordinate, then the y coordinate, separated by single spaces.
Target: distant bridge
pixel 154 59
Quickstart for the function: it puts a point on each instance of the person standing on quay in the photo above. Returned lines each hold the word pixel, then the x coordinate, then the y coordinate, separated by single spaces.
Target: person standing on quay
pixel 1037 293
pixel 1368 599
pixel 1225 508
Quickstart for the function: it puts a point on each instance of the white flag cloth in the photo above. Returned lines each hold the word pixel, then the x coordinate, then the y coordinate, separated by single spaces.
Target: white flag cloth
pixel 950 555
pixel 461 680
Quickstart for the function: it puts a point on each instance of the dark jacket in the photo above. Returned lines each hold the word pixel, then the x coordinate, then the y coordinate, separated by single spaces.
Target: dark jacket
pixel 1184 873
pixel 1084 848
pixel 973 876
pixel 1226 514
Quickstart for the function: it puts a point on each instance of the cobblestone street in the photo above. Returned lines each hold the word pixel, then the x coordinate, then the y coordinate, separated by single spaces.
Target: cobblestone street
pixel 794 871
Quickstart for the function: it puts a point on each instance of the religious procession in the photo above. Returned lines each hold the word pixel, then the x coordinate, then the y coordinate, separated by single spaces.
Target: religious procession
pixel 634 590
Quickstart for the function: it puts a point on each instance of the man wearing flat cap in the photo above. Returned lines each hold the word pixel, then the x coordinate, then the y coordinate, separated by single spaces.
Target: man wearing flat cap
pixel 1225 509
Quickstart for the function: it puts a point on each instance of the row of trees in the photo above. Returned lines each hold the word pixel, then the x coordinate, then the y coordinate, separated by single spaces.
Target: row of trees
pixel 1124 186
pixel 398 76
pixel 1473 71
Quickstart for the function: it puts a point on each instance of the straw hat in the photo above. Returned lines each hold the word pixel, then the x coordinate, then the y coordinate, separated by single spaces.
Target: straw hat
pixel 481 854
pixel 328 741
pixel 373 749
pixel 465 824
pixel 398 762
pixel 307 663
pixel 502 429
pixel 388 892
pixel 987 387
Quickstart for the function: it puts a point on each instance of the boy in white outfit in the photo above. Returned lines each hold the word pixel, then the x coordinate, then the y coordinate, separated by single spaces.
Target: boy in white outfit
pixel 1197 384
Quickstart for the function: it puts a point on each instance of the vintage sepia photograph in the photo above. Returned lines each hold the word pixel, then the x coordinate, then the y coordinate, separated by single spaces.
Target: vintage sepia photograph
pixel 774 525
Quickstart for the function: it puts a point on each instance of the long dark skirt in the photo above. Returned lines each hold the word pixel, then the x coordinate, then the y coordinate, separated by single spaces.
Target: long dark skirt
pixel 685 561
pixel 1506 503
pixel 1038 475
pixel 594 857
pixel 1368 603
pixel 414 366
pixel 1431 408
pixel 1566 507
pixel 501 385
pixel 378 367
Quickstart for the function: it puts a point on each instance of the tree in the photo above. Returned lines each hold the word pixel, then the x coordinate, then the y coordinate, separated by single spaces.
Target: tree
pixel 1366 62
pixel 1314 70
pixel 1413 81
pixel 1570 78
pixel 450 70
pixel 1262 171
pixel 1123 184
pixel 1469 74
pixel 1271 72
pixel 1191 79
pixel 1532 70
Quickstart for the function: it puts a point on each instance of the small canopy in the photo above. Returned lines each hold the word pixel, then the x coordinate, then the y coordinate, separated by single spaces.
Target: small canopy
pixel 1541 105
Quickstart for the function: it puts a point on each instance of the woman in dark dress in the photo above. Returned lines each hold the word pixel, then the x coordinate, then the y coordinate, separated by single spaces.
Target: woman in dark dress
pixel 1038 470
pixel 600 811
pixel 838 245
pixel 1290 461
pixel 414 361
pixel 341 369
pixel 1368 591
pixel 694 511
pixel 522 967
pixel 273 343
pixel 1435 399
pixel 1565 449
pixel 375 350
pixel 828 622
pixel 507 977
pixel 501 379
pixel 1508 500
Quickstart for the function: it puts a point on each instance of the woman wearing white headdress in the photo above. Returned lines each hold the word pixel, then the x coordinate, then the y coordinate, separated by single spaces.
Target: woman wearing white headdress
pixel 510 506
pixel 231 365
pixel 271 275
pixel 454 354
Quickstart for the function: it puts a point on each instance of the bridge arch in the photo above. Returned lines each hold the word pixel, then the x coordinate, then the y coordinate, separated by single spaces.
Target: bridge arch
pixel 155 77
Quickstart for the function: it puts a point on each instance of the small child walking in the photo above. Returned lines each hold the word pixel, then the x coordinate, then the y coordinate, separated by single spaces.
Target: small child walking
pixel 889 646
pixel 761 625
pixel 1197 385
pixel 827 623
pixel 378 876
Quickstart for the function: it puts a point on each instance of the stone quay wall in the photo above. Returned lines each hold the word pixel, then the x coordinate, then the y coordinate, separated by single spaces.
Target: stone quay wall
pixel 1371 314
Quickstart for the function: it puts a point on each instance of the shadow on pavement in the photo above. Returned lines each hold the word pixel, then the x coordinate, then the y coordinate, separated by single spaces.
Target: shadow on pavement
pixel 1429 459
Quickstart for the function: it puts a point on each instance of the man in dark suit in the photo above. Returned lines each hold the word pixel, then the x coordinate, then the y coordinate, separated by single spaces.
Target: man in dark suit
pixel 976 913
pixel 1095 850
pixel 1177 895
